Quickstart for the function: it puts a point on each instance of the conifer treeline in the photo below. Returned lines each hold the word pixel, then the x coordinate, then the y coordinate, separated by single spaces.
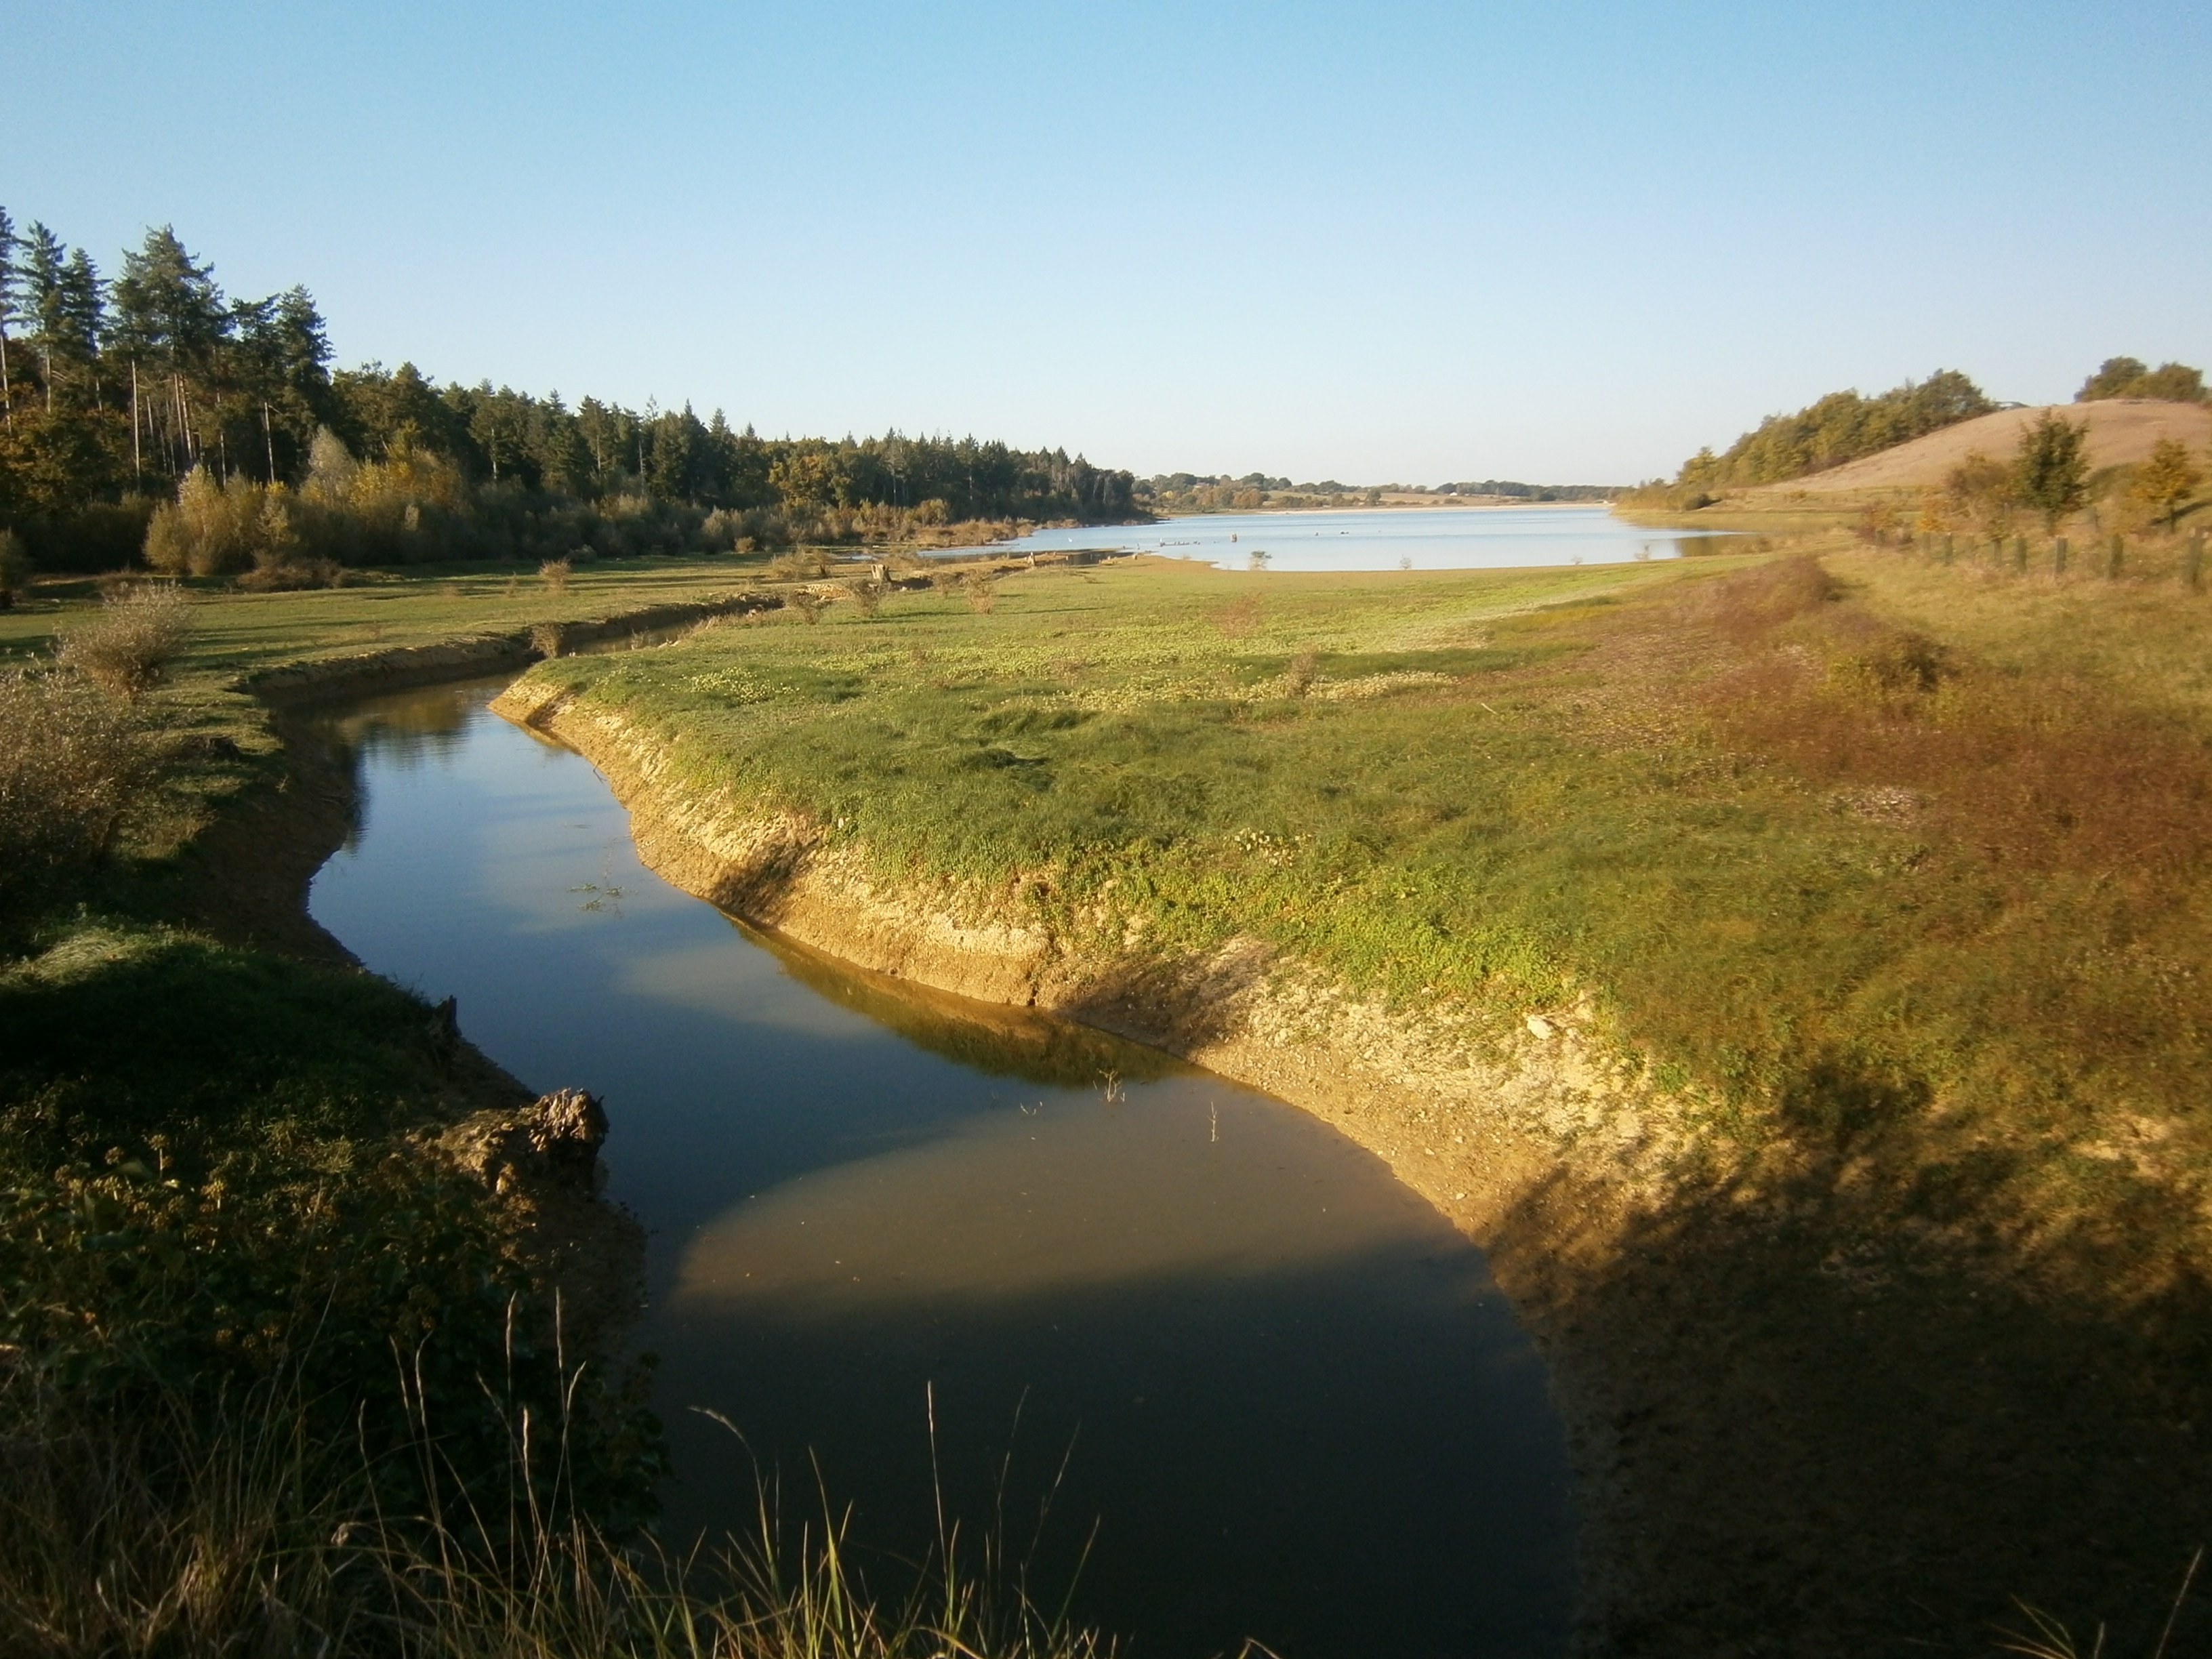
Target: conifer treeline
pixel 118 396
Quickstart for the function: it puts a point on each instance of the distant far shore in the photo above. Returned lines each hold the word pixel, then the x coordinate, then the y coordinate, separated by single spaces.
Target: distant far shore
pixel 1388 503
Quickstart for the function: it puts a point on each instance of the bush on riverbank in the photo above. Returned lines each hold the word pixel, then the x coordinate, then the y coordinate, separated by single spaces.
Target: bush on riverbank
pixel 72 762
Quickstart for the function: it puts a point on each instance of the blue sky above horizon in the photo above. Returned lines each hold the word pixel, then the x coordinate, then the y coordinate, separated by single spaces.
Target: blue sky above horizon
pixel 1401 240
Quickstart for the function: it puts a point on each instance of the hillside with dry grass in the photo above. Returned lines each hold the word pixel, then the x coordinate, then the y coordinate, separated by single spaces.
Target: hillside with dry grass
pixel 2122 433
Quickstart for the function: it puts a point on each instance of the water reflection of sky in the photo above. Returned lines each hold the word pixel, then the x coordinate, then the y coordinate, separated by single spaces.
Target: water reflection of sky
pixel 1297 1410
pixel 1387 539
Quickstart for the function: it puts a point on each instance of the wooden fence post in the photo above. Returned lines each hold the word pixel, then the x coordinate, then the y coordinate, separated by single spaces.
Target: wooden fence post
pixel 2116 558
pixel 2192 562
pixel 2058 556
pixel 1948 551
pixel 2020 554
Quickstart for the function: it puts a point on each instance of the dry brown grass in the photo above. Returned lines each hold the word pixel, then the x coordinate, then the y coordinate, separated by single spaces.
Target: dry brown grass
pixel 1241 617
pixel 162 1540
pixel 2041 771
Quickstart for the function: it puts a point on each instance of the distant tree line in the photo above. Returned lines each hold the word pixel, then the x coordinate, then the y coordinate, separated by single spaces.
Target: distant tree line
pixel 2129 377
pixel 1511 490
pixel 1193 492
pixel 153 404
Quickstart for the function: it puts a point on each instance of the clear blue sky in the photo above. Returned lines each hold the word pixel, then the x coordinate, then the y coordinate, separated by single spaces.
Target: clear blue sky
pixel 1557 241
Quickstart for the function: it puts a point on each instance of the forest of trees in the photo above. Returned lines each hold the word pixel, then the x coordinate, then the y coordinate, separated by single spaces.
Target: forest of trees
pixel 1840 427
pixel 153 399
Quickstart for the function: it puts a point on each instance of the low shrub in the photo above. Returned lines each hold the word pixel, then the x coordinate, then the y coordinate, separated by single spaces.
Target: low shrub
pixel 556 573
pixel 127 647
pixel 803 564
pixel 72 759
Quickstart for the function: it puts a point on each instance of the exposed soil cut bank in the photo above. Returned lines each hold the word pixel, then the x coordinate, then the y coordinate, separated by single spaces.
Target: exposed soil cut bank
pixel 1786 1438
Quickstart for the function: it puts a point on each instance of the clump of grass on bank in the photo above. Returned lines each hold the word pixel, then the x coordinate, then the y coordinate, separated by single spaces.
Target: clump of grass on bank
pixel 208 1180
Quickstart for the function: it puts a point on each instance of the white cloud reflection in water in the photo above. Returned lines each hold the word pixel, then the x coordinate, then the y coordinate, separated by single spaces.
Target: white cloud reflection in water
pixel 1059 1196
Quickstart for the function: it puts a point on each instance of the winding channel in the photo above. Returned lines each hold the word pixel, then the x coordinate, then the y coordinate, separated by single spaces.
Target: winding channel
pixel 1153 1314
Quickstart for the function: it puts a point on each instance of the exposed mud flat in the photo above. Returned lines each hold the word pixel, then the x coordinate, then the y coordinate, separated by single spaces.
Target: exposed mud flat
pixel 1793 1430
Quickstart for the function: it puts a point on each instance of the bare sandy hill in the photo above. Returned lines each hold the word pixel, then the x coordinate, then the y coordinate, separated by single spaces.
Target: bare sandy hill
pixel 2121 429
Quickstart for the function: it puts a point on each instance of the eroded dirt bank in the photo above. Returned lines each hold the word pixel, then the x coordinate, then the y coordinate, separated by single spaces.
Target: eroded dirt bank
pixel 1795 1430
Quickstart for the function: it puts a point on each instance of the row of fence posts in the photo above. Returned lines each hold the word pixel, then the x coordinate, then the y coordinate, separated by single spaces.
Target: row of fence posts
pixel 1942 547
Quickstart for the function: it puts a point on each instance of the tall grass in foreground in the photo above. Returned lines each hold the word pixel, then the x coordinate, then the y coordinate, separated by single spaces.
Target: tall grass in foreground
pixel 151 1536
pixel 2049 1639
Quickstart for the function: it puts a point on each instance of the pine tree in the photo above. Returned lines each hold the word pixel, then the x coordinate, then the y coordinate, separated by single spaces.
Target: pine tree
pixel 82 317
pixel 9 288
pixel 41 266
pixel 169 310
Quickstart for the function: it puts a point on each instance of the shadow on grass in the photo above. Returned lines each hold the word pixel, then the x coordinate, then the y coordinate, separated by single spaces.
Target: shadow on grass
pixel 1842 1440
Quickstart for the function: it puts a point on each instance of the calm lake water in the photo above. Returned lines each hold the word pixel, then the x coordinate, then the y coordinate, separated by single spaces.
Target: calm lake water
pixel 1274 1392
pixel 1425 538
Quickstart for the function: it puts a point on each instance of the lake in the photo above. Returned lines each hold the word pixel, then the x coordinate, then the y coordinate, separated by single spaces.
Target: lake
pixel 1153 1314
pixel 1387 539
